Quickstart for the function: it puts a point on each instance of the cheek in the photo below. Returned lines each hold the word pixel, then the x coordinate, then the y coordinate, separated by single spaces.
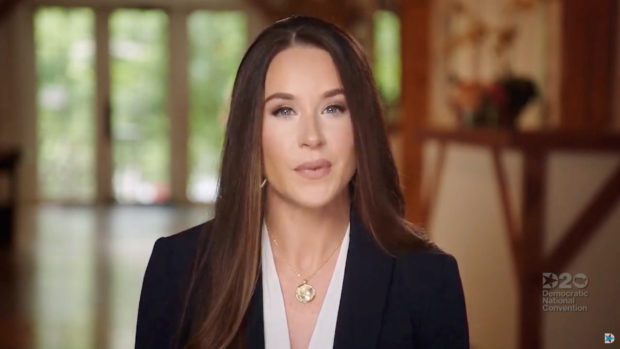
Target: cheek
pixel 274 143
pixel 344 144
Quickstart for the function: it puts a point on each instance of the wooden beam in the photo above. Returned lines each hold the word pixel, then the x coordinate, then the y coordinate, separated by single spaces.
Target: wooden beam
pixel 415 98
pixel 6 6
pixel 553 140
pixel 588 38
pixel 345 13
pixel 514 235
pixel 585 227
pixel 531 247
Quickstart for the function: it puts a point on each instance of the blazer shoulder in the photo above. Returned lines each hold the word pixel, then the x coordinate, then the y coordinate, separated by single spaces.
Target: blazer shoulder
pixel 426 271
pixel 431 286
pixel 164 285
pixel 425 263
pixel 185 239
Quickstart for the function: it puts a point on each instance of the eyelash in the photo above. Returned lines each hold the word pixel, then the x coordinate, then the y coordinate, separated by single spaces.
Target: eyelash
pixel 277 111
pixel 340 108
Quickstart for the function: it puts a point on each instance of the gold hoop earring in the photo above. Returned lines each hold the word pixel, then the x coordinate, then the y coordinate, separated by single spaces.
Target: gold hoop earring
pixel 263 184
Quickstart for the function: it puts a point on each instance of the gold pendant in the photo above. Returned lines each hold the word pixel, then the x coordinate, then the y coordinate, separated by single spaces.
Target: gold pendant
pixel 305 293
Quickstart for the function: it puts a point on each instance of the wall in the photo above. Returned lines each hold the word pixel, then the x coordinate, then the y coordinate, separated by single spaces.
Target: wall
pixel 468 223
pixel 17 94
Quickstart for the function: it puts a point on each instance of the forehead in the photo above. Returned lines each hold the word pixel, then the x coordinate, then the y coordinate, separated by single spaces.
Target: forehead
pixel 302 69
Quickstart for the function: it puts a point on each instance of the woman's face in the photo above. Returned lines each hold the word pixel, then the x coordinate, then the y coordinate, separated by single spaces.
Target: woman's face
pixel 306 121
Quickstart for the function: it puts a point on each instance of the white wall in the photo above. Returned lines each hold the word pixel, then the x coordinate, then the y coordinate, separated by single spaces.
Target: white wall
pixel 468 223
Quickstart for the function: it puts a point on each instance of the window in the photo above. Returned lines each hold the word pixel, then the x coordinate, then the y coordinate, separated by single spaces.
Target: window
pixel 217 43
pixel 64 55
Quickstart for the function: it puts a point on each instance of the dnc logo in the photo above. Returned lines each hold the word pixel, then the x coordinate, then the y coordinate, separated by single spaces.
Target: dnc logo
pixel 609 338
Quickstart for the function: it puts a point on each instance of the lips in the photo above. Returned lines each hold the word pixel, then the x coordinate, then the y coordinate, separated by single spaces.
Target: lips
pixel 313 165
pixel 314 169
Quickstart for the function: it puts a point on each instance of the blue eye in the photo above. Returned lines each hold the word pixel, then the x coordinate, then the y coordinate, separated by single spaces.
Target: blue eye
pixel 334 108
pixel 284 111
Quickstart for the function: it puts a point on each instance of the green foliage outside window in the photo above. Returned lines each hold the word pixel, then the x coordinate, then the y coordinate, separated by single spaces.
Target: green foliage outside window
pixel 217 43
pixel 387 57
pixel 140 130
pixel 64 55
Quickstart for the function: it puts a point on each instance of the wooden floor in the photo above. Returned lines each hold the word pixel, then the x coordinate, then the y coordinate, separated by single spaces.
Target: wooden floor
pixel 72 278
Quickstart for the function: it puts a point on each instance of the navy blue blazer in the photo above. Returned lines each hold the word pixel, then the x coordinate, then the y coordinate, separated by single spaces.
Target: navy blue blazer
pixel 414 301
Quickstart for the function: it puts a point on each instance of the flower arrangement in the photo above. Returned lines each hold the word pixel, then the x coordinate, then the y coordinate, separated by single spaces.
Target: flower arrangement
pixel 498 104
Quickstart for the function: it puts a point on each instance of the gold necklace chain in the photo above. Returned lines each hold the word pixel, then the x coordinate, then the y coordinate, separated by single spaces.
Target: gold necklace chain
pixel 316 271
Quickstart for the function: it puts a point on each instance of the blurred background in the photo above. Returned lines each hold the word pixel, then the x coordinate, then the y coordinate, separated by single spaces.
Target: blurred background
pixel 503 116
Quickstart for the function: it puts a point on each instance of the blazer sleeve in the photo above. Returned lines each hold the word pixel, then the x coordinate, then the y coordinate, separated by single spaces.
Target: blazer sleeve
pixel 446 320
pixel 155 326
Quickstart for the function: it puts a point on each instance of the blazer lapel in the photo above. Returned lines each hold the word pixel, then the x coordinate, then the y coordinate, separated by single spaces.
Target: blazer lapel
pixel 364 293
pixel 256 334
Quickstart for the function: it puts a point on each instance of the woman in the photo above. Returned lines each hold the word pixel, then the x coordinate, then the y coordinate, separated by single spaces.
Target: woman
pixel 308 247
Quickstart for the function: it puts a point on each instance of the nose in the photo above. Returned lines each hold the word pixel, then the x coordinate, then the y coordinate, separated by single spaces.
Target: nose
pixel 310 131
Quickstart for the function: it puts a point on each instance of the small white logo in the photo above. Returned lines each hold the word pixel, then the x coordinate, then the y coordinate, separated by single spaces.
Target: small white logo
pixel 609 338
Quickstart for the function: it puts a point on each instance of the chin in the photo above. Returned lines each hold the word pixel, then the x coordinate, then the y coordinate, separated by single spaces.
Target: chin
pixel 317 202
pixel 313 198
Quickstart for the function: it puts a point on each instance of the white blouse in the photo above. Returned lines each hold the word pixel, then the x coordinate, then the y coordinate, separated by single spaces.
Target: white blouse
pixel 274 313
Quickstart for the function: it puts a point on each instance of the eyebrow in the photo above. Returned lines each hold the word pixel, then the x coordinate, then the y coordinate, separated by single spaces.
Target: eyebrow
pixel 282 95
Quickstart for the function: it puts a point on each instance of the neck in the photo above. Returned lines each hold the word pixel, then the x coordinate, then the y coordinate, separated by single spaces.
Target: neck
pixel 307 236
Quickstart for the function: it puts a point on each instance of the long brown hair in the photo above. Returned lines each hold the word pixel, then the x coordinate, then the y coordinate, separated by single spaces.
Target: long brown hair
pixel 227 262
